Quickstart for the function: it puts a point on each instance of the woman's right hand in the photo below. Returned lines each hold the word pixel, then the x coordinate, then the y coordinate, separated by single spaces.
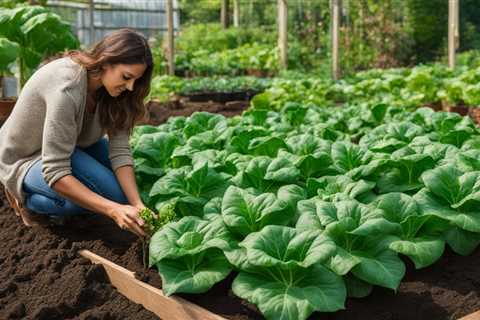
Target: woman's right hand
pixel 127 218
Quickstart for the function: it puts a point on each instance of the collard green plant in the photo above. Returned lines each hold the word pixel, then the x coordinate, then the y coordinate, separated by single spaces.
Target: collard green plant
pixel 289 281
pixel 362 235
pixel 421 247
pixel 188 254
pixel 189 189
pixel 453 196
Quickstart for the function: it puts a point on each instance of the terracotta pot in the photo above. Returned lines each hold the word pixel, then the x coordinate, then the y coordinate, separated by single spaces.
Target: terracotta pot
pixel 6 107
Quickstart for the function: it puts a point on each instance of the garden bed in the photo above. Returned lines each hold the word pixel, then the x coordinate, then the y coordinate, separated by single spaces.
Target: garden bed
pixel 42 277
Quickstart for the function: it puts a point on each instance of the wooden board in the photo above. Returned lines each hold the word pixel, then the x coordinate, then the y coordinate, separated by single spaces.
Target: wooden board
pixel 472 316
pixel 153 299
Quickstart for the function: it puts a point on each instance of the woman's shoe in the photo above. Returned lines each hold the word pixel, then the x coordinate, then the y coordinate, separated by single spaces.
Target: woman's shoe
pixel 29 219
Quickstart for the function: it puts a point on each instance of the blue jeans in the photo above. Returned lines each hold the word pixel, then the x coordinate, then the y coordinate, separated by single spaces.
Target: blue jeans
pixel 90 165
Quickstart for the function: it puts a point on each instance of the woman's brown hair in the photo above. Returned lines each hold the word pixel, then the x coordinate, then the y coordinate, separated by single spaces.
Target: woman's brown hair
pixel 124 46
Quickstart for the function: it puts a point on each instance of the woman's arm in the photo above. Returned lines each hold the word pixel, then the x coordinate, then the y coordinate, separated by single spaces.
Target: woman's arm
pixel 122 164
pixel 125 216
pixel 126 178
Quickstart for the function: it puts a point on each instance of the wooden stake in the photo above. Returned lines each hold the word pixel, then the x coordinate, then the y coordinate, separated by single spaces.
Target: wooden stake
pixel 224 14
pixel 283 33
pixel 335 32
pixel 453 33
pixel 153 299
pixel 236 13
pixel 170 39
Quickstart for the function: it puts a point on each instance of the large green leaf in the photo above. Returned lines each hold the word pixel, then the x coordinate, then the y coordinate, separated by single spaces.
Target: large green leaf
pixel 360 219
pixel 354 161
pixel 430 204
pixel 469 160
pixel 287 248
pixel 384 269
pixel 341 187
pixel 193 188
pixel 404 170
pixel 357 288
pixel 267 175
pixel 282 170
pixel 368 257
pixel 461 241
pixel 292 295
pixel 266 146
pixel 308 144
pixel 451 185
pixel 423 251
pixel 187 237
pixel 390 137
pixel 157 146
pixel 8 53
pixel 244 212
pixel 193 274
pixel 203 121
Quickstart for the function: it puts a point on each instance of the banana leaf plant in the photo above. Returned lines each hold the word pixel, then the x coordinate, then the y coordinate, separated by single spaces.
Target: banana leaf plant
pixel 38 32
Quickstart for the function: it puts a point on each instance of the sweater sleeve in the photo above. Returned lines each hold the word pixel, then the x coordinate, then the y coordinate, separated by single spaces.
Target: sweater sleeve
pixel 119 150
pixel 59 137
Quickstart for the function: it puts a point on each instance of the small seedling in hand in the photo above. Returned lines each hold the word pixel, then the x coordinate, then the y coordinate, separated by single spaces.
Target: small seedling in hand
pixel 153 222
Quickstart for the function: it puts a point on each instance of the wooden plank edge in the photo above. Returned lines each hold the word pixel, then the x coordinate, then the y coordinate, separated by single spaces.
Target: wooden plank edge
pixel 472 316
pixel 152 299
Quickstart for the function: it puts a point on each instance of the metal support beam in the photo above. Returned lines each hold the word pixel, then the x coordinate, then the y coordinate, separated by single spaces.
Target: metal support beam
pixel 91 11
pixel 170 39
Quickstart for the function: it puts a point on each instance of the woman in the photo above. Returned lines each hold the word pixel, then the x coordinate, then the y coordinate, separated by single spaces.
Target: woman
pixel 54 158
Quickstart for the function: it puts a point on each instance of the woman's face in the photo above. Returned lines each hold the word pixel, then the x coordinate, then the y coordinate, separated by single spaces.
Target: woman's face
pixel 117 78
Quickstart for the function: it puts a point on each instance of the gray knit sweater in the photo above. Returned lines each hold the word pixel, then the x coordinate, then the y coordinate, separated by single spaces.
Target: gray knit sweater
pixel 48 121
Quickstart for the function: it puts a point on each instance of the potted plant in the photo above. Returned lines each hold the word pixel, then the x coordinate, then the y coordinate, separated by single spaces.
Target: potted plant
pixel 8 53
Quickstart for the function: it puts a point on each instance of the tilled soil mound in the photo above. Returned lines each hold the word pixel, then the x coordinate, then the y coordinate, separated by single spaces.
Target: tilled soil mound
pixel 42 276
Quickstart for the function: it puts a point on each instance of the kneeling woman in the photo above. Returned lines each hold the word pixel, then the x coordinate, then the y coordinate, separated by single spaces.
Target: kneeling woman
pixel 54 157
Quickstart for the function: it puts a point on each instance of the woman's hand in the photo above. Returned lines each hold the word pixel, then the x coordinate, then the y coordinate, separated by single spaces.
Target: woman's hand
pixel 140 206
pixel 127 218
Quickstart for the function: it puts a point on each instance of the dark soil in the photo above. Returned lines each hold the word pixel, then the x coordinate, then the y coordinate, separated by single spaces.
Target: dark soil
pixel 42 276
pixel 181 106
pixel 222 97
